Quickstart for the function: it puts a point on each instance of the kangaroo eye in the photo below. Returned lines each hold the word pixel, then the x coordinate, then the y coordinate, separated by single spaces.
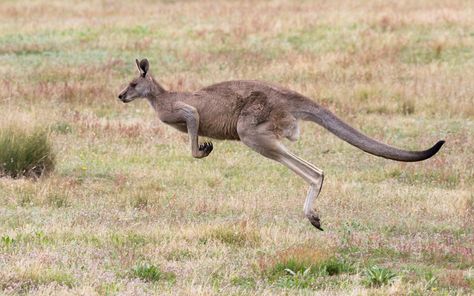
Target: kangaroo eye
pixel 133 84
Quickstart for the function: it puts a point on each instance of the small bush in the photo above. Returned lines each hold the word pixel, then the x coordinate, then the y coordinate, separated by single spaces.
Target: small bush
pixel 151 273
pixel 377 276
pixel 25 153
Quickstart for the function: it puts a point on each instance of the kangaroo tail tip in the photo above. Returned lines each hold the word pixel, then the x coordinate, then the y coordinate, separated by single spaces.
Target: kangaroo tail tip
pixel 439 144
pixel 433 150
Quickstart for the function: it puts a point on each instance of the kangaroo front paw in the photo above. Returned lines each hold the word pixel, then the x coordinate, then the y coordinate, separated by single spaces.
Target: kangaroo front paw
pixel 205 149
pixel 314 219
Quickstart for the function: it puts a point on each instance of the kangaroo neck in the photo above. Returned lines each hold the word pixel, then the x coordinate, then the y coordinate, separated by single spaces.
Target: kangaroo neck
pixel 163 100
pixel 157 95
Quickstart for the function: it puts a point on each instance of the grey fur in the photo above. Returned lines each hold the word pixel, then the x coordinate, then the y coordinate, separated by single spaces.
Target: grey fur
pixel 259 114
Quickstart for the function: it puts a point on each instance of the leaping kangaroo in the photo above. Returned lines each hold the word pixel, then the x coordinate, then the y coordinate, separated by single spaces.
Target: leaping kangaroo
pixel 259 114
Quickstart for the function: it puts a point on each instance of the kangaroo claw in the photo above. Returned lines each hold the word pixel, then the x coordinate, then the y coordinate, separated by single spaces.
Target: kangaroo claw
pixel 315 221
pixel 206 147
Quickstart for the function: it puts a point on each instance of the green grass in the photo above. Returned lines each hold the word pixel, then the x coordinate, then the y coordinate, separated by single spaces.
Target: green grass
pixel 329 267
pixel 306 268
pixel 25 153
pixel 126 204
pixel 151 273
pixel 6 241
pixel 375 276
pixel 232 236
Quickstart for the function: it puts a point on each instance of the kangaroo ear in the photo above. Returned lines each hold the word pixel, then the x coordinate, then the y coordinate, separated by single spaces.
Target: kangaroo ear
pixel 144 66
pixel 138 66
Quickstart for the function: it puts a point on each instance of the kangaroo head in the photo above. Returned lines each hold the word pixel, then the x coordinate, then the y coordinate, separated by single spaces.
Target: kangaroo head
pixel 141 87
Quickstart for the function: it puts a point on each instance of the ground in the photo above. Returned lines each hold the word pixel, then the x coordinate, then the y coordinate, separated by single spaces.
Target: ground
pixel 127 210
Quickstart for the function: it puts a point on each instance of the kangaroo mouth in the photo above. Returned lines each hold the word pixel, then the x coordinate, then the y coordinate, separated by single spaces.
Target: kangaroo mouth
pixel 124 99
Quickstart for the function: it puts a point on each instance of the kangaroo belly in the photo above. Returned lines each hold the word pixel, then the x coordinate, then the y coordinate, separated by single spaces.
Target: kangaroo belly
pixel 221 130
pixel 221 127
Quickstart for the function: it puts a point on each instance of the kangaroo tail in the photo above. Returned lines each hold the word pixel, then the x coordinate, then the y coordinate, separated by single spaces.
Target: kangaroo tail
pixel 347 133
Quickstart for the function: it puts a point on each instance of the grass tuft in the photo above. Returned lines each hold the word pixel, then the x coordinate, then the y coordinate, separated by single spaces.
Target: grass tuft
pixel 151 273
pixel 25 153
pixel 301 266
pixel 377 276
pixel 232 236
pixel 6 241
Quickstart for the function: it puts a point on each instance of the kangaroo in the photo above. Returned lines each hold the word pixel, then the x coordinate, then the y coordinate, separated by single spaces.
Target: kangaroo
pixel 260 115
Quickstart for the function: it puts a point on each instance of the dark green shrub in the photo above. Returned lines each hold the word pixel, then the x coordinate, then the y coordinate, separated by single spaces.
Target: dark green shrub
pixel 25 152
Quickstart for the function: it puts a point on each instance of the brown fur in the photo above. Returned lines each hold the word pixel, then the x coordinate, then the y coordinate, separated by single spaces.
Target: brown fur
pixel 259 114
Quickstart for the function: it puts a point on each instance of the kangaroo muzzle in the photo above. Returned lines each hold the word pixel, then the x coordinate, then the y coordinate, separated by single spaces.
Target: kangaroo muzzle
pixel 123 95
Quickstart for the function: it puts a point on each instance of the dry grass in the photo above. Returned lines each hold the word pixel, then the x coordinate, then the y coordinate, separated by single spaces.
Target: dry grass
pixel 126 193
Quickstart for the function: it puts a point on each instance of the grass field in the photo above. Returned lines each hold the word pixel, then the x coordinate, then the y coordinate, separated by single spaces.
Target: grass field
pixel 127 210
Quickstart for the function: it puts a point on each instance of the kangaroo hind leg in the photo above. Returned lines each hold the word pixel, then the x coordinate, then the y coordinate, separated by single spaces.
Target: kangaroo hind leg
pixel 263 134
